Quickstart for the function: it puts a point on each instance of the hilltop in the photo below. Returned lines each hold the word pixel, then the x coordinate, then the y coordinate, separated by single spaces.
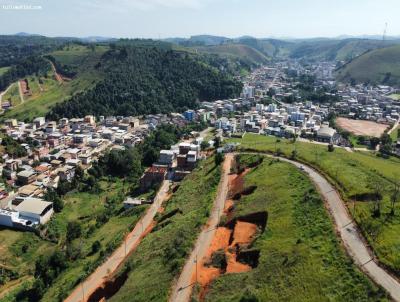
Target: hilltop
pixel 381 66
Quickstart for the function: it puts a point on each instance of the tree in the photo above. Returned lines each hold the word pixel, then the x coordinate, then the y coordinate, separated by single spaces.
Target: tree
pixel 395 196
pixel 219 158
pixel 74 230
pixel 204 145
pixel 96 246
pixel 331 148
pixel 377 187
pixel 374 141
pixel 217 142
pixel 52 196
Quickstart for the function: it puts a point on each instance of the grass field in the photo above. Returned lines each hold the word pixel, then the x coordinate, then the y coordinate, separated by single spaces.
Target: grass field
pixel 352 173
pixel 80 57
pixel 161 255
pixel 301 258
pixel 82 207
pixel 394 135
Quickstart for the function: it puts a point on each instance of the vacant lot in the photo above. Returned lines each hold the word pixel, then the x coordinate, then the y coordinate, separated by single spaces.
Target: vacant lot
pixel 359 127
pixel 300 258
pixel 352 173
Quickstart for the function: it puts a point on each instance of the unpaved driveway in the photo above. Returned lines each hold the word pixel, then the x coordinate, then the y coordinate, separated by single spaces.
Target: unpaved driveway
pixel 183 288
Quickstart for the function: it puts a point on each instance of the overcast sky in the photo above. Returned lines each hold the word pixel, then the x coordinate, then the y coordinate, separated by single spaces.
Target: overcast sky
pixel 183 18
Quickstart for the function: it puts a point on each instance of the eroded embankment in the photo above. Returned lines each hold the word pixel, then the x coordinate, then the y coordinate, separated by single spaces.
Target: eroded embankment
pixel 231 248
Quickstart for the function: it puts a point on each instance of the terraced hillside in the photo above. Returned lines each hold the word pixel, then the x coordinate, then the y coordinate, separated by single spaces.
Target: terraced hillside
pixel 381 66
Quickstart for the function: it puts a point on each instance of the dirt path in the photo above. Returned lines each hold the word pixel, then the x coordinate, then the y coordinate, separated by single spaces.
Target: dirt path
pixel 4 92
pixel 349 233
pixel 21 95
pixel 183 288
pixel 97 278
pixel 394 127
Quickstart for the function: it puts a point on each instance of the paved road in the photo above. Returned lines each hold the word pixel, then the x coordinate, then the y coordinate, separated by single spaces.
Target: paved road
pixel 351 237
pixel 183 288
pixel 96 279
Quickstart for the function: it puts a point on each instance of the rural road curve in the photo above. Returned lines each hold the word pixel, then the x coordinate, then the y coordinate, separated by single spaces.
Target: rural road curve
pixel 84 290
pixel 351 237
pixel 183 288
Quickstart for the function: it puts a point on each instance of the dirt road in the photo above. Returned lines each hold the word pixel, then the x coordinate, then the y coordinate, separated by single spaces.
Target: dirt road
pixel 4 92
pixel 183 288
pixel 96 279
pixel 21 95
pixel 351 237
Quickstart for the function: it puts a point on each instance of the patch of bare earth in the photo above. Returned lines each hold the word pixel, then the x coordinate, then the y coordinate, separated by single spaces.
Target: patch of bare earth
pixel 360 127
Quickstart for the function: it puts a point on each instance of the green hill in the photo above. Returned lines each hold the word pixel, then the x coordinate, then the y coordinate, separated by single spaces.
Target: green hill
pixel 339 50
pixel 381 66
pixel 47 91
pixel 145 80
pixel 246 53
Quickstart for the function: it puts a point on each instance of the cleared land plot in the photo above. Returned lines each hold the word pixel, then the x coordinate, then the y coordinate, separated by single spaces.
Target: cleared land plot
pixel 3 70
pixel 300 257
pixel 352 174
pixel 359 127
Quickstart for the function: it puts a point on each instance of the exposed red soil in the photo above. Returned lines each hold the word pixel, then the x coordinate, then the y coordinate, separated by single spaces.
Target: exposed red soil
pixel 206 274
pixel 236 182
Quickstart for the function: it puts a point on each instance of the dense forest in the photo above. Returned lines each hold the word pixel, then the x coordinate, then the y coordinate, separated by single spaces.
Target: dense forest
pixel 144 80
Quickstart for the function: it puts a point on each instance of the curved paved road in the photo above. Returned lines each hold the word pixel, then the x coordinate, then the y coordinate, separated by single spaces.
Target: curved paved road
pixel 183 288
pixel 351 237
pixel 96 279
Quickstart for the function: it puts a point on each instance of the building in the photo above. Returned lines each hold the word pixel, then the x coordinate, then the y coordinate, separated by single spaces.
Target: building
pixel 326 134
pixel 26 177
pixel 36 210
pixel 166 157
pixel 189 115
pixel 152 176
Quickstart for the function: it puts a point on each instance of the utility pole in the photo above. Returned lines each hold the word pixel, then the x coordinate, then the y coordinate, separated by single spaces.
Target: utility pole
pixel 83 293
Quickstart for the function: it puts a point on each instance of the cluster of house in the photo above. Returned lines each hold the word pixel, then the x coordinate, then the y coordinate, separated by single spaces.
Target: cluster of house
pixel 174 164
pixel 368 103
pixel 54 151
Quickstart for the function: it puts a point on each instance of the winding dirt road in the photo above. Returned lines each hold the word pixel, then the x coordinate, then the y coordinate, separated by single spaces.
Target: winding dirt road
pixel 349 234
pixel 96 279
pixel 183 287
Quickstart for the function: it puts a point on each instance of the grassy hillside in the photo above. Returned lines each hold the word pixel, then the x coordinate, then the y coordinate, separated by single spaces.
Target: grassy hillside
pixel 21 250
pixel 47 91
pixel 381 66
pixel 301 258
pixel 161 255
pixel 243 52
pixel 353 174
pixel 3 70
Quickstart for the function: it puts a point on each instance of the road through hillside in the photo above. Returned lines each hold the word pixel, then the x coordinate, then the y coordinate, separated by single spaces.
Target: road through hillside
pixel 96 279
pixel 350 235
pixel 183 287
